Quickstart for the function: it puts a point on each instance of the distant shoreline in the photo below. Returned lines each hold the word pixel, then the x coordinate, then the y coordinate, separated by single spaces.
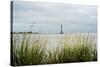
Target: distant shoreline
pixel 49 33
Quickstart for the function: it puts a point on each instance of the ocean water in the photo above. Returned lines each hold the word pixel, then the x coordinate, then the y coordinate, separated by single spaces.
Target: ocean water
pixel 54 40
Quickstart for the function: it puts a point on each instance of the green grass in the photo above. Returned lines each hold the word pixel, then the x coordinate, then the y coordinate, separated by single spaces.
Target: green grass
pixel 69 54
pixel 34 53
pixel 28 53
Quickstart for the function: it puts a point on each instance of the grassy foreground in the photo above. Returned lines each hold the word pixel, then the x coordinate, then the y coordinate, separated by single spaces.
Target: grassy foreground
pixel 34 52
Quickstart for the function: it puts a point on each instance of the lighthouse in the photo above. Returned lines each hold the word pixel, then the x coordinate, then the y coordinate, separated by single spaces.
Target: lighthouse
pixel 61 32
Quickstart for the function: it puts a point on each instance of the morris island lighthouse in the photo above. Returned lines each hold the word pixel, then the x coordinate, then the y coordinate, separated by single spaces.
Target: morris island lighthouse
pixel 61 32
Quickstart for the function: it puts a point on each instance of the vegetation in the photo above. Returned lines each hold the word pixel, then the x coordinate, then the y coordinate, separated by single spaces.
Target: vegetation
pixel 28 50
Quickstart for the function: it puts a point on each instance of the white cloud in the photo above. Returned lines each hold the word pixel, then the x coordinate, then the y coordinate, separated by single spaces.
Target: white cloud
pixel 26 13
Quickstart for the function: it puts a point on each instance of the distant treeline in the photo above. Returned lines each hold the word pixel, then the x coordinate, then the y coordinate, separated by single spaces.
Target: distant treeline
pixel 24 32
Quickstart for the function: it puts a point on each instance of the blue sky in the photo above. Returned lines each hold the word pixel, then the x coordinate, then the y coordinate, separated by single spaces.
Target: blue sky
pixel 47 17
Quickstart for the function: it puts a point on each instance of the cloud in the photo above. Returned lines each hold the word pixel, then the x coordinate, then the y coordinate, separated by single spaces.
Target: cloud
pixel 73 17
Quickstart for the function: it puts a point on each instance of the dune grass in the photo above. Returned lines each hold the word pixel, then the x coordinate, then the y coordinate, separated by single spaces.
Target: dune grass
pixel 34 53
pixel 28 53
pixel 68 54
pixel 82 51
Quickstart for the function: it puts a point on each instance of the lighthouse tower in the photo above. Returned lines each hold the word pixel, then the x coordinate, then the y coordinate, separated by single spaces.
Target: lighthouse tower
pixel 61 32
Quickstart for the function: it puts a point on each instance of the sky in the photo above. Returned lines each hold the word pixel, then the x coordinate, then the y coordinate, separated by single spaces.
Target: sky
pixel 45 17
